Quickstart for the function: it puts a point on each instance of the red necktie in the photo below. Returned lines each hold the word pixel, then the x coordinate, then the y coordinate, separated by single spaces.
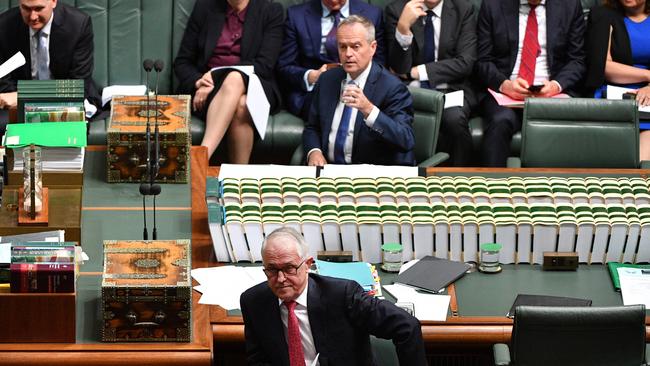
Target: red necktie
pixel 296 355
pixel 530 49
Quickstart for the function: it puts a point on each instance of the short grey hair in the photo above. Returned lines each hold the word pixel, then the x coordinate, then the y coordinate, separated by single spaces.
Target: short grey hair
pixel 358 19
pixel 294 237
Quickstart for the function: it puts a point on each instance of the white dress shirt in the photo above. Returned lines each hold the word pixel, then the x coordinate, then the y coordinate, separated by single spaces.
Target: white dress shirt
pixel 308 346
pixel 33 46
pixel 326 24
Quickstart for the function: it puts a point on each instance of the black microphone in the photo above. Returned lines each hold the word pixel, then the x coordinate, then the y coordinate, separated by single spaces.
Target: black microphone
pixel 144 187
pixel 155 188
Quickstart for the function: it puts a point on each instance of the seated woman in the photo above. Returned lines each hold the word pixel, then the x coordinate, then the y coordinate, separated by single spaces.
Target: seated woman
pixel 618 52
pixel 227 33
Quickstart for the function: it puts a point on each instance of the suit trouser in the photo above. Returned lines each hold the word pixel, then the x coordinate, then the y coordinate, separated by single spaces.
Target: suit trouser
pixel 501 123
pixel 455 136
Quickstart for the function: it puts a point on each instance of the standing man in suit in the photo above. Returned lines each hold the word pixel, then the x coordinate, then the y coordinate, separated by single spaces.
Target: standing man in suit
pixel 525 48
pixel 296 317
pixel 310 45
pixel 432 44
pixel 56 40
pixel 360 113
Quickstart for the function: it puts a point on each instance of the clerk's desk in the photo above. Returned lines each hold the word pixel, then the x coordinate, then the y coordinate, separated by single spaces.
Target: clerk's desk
pixel 479 301
pixel 114 211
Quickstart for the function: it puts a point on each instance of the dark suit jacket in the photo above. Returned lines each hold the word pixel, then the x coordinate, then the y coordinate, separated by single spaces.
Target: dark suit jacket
pixel 341 317
pixel 301 46
pixel 498 37
pixel 71 48
pixel 260 44
pixel 456 46
pixel 391 139
pixel 600 20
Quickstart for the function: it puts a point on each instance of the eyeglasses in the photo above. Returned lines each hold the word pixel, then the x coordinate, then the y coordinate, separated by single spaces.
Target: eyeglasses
pixel 289 270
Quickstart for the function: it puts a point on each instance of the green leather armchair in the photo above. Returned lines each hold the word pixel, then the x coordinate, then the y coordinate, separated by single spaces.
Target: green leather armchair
pixel 579 133
pixel 575 336
pixel 427 105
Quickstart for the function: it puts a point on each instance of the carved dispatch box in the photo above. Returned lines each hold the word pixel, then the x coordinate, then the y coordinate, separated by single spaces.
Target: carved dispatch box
pixel 147 291
pixel 127 143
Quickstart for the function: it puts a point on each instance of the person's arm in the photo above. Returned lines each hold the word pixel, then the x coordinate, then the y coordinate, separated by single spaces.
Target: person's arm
pixel 311 134
pixel 384 320
pixel 83 62
pixel 620 73
pixel 400 58
pixel 189 51
pixel 394 123
pixel 272 30
pixel 254 353
pixel 574 68
pixel 288 67
pixel 486 68
pixel 461 65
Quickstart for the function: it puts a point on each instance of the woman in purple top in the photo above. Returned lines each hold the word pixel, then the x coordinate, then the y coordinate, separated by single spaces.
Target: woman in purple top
pixel 618 52
pixel 227 33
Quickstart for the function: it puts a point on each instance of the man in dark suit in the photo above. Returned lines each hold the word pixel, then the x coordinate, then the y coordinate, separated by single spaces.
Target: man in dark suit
pixel 64 35
pixel 309 45
pixel 552 63
pixel 360 113
pixel 432 43
pixel 296 317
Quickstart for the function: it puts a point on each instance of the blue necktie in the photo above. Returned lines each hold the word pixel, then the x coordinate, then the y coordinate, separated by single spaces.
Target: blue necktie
pixel 429 49
pixel 42 70
pixel 342 134
pixel 331 48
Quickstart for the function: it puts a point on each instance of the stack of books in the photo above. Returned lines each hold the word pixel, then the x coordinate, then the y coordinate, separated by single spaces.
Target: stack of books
pixel 45 267
pixel 42 100
pixel 602 219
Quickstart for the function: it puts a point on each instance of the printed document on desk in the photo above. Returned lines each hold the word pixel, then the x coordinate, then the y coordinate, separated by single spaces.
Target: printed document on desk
pixel 506 101
pixel 635 286
pixel 224 285
pixel 616 93
pixel 427 306
pixel 258 105
pixel 260 171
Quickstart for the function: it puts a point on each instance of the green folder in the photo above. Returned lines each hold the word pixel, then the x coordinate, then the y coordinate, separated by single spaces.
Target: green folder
pixel 51 134
pixel 613 272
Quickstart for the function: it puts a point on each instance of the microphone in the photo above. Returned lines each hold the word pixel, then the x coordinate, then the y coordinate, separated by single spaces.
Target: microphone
pixel 144 187
pixel 155 188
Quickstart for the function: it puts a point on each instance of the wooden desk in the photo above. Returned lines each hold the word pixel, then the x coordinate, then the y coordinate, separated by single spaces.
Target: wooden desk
pixel 114 212
pixel 464 333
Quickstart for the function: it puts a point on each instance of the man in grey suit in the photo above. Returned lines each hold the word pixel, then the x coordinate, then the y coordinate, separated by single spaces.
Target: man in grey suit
pixel 432 43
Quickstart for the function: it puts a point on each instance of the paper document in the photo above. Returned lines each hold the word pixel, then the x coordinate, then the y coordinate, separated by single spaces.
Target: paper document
pixel 635 286
pixel 368 171
pixel 506 101
pixel 616 93
pixel 109 91
pixel 454 99
pixel 426 306
pixel 265 171
pixel 224 285
pixel 12 64
pixel 258 105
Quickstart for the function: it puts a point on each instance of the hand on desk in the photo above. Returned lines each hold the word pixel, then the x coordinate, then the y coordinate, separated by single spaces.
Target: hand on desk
pixel 8 100
pixel 316 158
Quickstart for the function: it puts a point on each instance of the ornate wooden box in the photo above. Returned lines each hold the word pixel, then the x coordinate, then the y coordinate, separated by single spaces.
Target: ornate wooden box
pixel 127 147
pixel 147 291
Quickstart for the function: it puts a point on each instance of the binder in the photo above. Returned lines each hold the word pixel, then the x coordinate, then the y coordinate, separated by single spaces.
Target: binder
pixel 613 271
pixel 432 274
pixel 51 134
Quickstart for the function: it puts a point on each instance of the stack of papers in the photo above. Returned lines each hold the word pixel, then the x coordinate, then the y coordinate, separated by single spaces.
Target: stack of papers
pixel 635 286
pixel 56 159
pixel 427 306
pixel 224 285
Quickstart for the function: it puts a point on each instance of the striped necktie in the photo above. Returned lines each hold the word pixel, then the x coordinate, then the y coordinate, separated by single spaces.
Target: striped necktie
pixel 296 354
pixel 530 49
pixel 42 69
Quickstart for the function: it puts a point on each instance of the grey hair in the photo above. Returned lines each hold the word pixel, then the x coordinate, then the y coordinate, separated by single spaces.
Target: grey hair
pixel 358 19
pixel 294 237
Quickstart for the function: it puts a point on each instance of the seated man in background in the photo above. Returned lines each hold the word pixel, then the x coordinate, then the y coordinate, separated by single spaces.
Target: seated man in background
pixel 57 42
pixel 310 46
pixel 432 44
pixel 525 48
pixel 360 113
pixel 296 317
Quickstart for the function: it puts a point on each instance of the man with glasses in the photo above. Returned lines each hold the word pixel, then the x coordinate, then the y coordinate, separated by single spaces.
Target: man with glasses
pixel 296 318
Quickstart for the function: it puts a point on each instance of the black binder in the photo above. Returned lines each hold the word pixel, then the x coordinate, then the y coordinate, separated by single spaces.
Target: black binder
pixel 432 274
pixel 543 300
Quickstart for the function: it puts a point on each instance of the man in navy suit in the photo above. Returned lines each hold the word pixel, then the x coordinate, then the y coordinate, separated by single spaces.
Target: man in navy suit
pixel 360 113
pixel 309 45
pixel 296 317
pixel 557 64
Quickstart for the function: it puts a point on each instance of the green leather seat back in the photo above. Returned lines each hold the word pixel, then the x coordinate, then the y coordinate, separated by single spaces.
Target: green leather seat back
pixel 427 108
pixel 580 133
pixel 579 336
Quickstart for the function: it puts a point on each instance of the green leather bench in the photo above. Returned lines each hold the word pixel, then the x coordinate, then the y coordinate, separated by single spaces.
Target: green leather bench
pixel 128 31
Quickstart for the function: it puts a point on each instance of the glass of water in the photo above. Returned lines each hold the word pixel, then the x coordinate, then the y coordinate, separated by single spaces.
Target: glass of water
pixel 490 258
